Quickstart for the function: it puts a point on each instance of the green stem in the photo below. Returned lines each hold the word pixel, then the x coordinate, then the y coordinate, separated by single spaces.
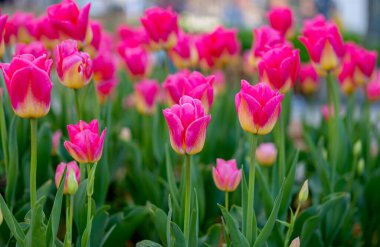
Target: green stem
pixel 4 135
pixel 367 119
pixel 77 105
pixel 291 226
pixel 281 153
pixel 226 199
pixel 90 190
pixel 33 162
pixel 251 220
pixel 69 219
pixel 82 168
pixel 186 226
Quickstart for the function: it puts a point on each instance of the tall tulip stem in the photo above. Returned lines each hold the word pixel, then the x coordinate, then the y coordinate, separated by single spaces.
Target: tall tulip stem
pixel 251 220
pixel 33 162
pixel 367 136
pixel 187 198
pixel 69 219
pixel 4 134
pixel 226 199
pixel 90 190
pixel 77 105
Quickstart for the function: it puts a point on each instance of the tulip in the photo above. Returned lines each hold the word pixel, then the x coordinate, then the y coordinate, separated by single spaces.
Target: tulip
pixel 132 34
pixel 27 79
pixel 161 26
pixel 304 192
pixel 74 68
pixel 323 43
pixel 308 78
pixel 265 39
pixel 327 111
pixel 35 48
pixel 226 175
pixel 295 242
pixel 258 107
pixel 191 84
pixel 69 20
pixel 45 32
pixel 281 19
pixel 146 93
pixel 19 28
pixel 105 89
pixel 71 168
pixel 3 20
pixel 373 89
pixel 266 154
pixel 96 30
pixel 105 74
pixel 187 124
pixel 346 77
pixel 85 145
pixel 136 59
pixel 279 67
pixel 184 53
pixel 56 140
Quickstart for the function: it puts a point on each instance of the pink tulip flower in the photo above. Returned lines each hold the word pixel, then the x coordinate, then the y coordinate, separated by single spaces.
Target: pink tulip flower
pixel 281 19
pixel 55 141
pixel 71 168
pixel 146 93
pixel 258 107
pixel 323 43
pixel 74 68
pixel 44 31
pixel 35 48
pixel 187 124
pixel 19 28
pixel 266 154
pixel 226 175
pixel 3 20
pixel 161 26
pixel 184 53
pixel 346 77
pixel 27 79
pixel 132 34
pixel 105 88
pixel 373 88
pixel 136 59
pixel 279 67
pixel 308 79
pixel 85 144
pixel 105 74
pixel 69 20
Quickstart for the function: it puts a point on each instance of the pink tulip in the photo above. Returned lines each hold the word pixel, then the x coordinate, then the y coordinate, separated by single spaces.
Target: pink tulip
pixel 35 48
pixel 184 53
pixel 161 26
pixel 279 67
pixel 136 59
pixel 70 167
pixel 346 77
pixel 56 140
pixel 132 34
pixel 281 19
pixel 323 43
pixel 226 175
pixel 146 93
pixel 258 107
pixel 29 86
pixel 85 145
pixel 105 89
pixel 96 30
pixel 308 78
pixel 191 84
pixel 44 31
pixel 3 20
pixel 19 28
pixel 105 74
pixel 68 19
pixel 265 39
pixel 266 154
pixel 74 68
pixel 373 88
pixel 187 124
pixel 364 62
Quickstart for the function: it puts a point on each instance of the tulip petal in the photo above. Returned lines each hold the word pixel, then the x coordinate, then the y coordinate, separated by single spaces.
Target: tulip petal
pixel 196 134
pixel 176 130
pixel 75 152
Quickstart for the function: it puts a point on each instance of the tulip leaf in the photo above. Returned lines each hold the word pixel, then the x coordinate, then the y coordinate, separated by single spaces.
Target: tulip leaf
pixel 160 219
pixel 264 189
pixel 194 229
pixel 213 235
pixel 12 223
pixel 80 209
pixel 13 165
pixel 168 221
pixel 85 242
pixel 170 176
pixel 244 193
pixel 268 227
pixel 44 170
pixel 237 238
pixel 178 237
pixel 36 235
pixel 148 243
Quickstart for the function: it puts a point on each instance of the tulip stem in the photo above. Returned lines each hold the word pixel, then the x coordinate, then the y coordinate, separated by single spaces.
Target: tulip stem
pixel 291 226
pixel 69 219
pixel 251 220
pixel 187 199
pixel 4 135
pixel 77 105
pixel 367 136
pixel 33 162
pixel 226 199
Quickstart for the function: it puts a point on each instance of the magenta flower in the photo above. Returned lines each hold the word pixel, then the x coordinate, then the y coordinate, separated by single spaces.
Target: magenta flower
pixel 184 54
pixel 373 88
pixel 72 167
pixel 35 48
pixel 136 58
pixel 161 26
pixel 55 141
pixel 281 19
pixel 44 31
pixel 19 28
pixel 105 74
pixel 187 124
pixel 3 21
pixel 226 175
pixel 323 43
pixel 258 107
pixel 27 79
pixel 266 154
pixel 146 93
pixel 74 68
pixel 346 77
pixel 308 78
pixel 279 67
pixel 85 144
pixel 71 21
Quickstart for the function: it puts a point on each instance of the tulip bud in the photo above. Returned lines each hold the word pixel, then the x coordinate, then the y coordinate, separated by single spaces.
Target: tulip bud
pixel 226 175
pixel 72 183
pixel 357 148
pixel 295 242
pixel 361 166
pixel 266 154
pixel 304 192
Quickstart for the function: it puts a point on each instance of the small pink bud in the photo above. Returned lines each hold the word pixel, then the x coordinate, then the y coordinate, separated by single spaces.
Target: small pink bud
pixel 146 93
pixel 266 154
pixel 226 175
pixel 71 183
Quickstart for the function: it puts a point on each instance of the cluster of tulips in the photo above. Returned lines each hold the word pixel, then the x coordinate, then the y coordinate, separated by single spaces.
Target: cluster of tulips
pixel 180 79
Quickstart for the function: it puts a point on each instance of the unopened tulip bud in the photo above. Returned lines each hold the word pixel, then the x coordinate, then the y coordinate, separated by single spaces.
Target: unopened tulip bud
pixel 266 154
pixel 357 148
pixel 72 183
pixel 295 242
pixel 361 166
pixel 304 192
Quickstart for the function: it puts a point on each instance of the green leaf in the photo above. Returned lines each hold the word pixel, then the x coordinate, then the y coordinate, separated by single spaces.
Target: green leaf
pixel 12 223
pixel 44 170
pixel 244 193
pixel 160 219
pixel 170 176
pixel 289 182
pixel 264 189
pixel 148 243
pixel 107 235
pixel 268 227
pixel 193 238
pixel 13 166
pixel 43 191
pixel 237 238
pixel 213 235
pixel 309 228
pixel 178 237
pixel 85 242
pixel 168 220
pixel 80 209
pixel 36 235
